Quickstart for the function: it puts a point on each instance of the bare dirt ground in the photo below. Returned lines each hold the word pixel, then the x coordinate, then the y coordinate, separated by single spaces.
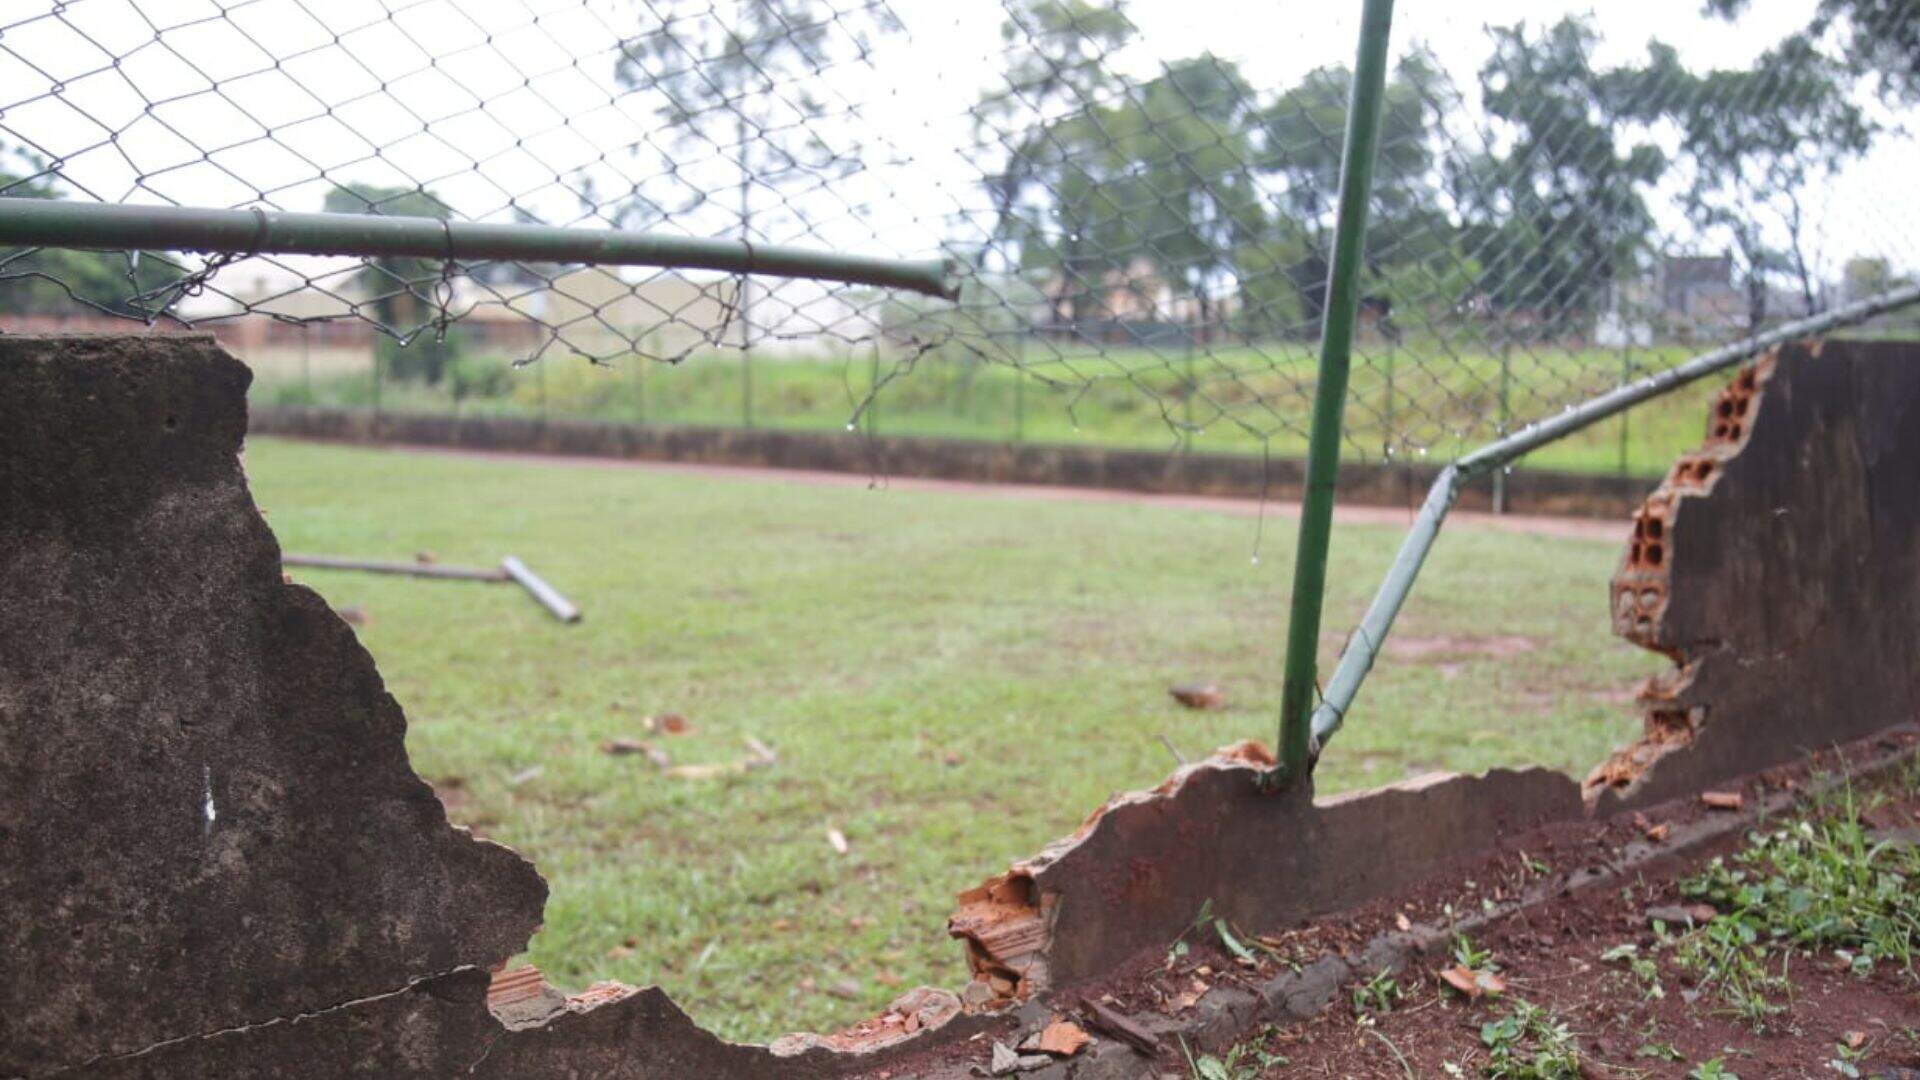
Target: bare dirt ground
pixel 1590 987
pixel 1534 525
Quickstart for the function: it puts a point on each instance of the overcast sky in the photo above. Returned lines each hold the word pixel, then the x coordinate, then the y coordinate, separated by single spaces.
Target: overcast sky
pixel 503 103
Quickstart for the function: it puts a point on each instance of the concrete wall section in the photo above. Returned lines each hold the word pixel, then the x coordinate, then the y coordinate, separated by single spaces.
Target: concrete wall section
pixel 1230 475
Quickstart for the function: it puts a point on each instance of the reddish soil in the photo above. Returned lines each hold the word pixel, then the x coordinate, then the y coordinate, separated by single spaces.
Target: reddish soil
pixel 1550 955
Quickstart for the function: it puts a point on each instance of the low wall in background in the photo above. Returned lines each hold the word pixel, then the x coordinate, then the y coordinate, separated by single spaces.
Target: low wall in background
pixel 1158 472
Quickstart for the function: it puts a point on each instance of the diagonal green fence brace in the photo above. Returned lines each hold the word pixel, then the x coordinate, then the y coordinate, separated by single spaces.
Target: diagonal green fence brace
pixel 1330 392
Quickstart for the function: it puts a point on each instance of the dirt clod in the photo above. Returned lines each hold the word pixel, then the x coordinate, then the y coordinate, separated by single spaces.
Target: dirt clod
pixel 1199 695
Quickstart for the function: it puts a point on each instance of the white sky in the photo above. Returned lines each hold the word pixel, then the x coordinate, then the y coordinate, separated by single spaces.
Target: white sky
pixel 494 103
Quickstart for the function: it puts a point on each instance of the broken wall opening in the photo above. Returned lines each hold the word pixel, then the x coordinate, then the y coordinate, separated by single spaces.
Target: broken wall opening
pixel 288 891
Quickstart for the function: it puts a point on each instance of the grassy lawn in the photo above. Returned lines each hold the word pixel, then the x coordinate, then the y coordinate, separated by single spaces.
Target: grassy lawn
pixel 951 680
pixel 1415 401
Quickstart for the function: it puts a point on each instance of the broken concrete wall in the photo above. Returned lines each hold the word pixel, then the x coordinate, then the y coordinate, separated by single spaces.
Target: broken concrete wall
pixel 207 818
pixel 1779 566
pixel 1136 873
pixel 215 858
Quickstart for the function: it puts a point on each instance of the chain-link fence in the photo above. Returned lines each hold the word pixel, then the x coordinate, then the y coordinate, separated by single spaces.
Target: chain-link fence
pixel 1138 199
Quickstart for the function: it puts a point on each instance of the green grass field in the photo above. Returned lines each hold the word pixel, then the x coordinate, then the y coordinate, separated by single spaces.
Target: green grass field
pixel 1233 400
pixel 950 679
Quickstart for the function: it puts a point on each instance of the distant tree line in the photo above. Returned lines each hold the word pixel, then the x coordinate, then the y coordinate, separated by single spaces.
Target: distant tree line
pixel 1535 208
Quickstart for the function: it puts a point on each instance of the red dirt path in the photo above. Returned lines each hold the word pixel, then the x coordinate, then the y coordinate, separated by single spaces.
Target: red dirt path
pixel 1534 525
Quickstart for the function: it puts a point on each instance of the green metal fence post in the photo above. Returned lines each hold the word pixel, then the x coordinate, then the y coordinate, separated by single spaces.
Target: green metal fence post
pixel 1386 440
pixel 1020 387
pixel 1330 393
pixel 1506 417
pixel 1626 376
pixel 746 389
pixel 873 393
pixel 1186 403
pixel 640 381
pixel 377 372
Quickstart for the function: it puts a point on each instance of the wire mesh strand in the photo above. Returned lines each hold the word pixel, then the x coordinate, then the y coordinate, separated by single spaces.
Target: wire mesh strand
pixel 1142 209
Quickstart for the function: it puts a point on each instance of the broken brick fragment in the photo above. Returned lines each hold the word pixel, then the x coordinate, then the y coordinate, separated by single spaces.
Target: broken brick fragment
pixel 1004 925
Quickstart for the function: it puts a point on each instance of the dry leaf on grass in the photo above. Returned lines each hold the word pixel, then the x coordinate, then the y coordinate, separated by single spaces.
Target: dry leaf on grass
pixel 1199 695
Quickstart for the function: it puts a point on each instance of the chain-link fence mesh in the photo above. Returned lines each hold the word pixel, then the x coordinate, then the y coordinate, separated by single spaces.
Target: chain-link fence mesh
pixel 1140 199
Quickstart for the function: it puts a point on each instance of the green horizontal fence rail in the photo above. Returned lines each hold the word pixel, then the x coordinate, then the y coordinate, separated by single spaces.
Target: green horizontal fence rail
pixel 31 222
pixel 1364 646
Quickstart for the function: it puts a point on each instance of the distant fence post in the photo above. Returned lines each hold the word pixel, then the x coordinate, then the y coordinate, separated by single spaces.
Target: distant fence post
pixel 640 363
pixel 1386 417
pixel 873 393
pixel 1626 376
pixel 1506 412
pixel 378 371
pixel 1020 387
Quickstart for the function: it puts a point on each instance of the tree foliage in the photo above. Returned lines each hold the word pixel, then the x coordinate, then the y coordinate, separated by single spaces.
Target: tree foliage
pixel 51 280
pixel 402 290
pixel 1555 208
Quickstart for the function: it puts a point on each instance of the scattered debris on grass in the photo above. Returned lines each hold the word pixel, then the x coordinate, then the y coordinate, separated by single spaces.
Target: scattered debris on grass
pixel 1473 984
pixel 622 747
pixel 1688 915
pixel 1722 800
pixel 1119 1026
pixel 1199 695
pixel 1178 757
pixel 759 756
pixel 524 775
pixel 838 839
pixel 1062 1038
pixel 671 723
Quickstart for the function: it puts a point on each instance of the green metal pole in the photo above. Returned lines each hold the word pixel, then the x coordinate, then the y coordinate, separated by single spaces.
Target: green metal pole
pixel 1386 440
pixel 1506 417
pixel 640 388
pixel 1330 393
pixel 746 389
pixel 377 371
pixel 1626 431
pixel 1020 387
pixel 68 223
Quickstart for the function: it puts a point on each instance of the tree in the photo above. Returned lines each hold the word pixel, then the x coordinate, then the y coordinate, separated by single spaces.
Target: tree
pixel 40 281
pixel 401 288
pixel 1871 38
pixel 753 68
pixel 1056 76
pixel 1552 210
pixel 1300 142
pixel 1756 139
pixel 1181 151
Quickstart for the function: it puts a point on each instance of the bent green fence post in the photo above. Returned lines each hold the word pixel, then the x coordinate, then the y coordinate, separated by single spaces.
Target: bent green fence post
pixel 1330 392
